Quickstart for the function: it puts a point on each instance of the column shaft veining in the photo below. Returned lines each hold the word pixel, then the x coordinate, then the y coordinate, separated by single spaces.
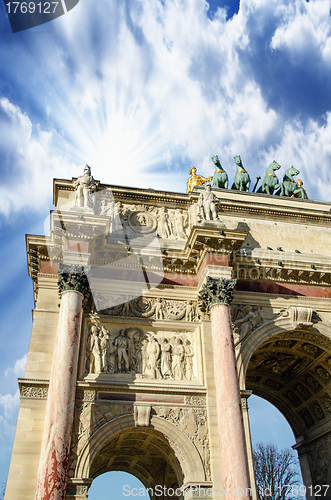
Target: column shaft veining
pixel 217 295
pixel 55 448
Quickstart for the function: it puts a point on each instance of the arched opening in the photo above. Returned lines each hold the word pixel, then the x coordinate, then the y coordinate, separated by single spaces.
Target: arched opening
pixel 292 371
pixel 116 485
pixel 268 425
pixel 143 452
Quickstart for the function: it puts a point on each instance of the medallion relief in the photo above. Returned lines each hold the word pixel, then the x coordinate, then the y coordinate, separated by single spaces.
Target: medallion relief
pixel 144 219
pixel 150 307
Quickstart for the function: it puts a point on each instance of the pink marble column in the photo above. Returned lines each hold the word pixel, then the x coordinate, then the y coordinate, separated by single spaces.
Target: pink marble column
pixel 217 295
pixel 55 448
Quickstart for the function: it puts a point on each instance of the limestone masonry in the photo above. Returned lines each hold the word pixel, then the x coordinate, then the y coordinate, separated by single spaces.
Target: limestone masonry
pixel 156 316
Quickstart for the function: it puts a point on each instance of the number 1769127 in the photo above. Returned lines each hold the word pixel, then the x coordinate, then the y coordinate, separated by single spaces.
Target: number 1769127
pixel 31 7
pixel 319 490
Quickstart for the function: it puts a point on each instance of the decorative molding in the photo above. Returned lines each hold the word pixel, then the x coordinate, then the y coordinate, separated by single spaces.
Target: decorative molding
pixel 34 391
pixel 198 400
pixel 86 395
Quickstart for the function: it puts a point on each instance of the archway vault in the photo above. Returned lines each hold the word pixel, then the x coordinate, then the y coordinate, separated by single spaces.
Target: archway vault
pixel 291 368
pixel 158 454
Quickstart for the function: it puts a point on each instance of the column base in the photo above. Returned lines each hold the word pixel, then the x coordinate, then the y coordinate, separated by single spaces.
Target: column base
pixel 202 490
pixel 78 489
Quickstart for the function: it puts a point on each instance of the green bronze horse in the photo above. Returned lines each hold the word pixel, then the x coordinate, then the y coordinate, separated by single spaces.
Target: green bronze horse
pixel 270 181
pixel 220 179
pixel 288 185
pixel 242 179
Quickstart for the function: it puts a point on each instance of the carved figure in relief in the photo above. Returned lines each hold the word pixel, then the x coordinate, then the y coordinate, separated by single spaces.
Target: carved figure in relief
pixel 136 353
pixel 165 359
pixel 122 348
pixel 172 223
pixel 126 306
pixel 189 353
pixel 245 325
pixel 96 360
pixel 177 359
pixel 152 354
pixel 84 186
pixel 181 220
pixel 159 309
pixel 189 311
pixel 107 208
pixel 208 204
pixel 144 355
pixel 163 226
pixel 104 348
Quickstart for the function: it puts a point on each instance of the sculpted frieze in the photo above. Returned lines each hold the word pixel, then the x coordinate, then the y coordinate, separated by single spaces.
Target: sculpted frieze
pixel 153 308
pixel 193 422
pixel 141 353
pixel 143 219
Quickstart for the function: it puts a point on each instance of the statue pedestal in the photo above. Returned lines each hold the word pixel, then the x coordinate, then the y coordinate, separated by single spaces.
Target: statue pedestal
pixel 82 210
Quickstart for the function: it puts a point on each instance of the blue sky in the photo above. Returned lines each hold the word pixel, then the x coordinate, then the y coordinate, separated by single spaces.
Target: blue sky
pixel 141 90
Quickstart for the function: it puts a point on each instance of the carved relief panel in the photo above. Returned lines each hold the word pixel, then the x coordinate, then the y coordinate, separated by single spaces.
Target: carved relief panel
pixel 139 352
pixel 151 307
pixel 144 219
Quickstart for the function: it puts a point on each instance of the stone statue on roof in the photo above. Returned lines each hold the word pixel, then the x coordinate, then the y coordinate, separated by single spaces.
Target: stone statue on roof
pixel 85 185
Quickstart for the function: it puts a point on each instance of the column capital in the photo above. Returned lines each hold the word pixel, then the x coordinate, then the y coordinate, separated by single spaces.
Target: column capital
pixel 73 277
pixel 216 291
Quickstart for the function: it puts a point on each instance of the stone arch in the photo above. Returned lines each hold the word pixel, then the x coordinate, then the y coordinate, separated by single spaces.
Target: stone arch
pixel 290 366
pixel 171 443
pixel 266 331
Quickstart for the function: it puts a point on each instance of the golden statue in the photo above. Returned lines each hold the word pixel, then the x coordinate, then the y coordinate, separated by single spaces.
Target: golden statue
pixel 196 180
pixel 299 192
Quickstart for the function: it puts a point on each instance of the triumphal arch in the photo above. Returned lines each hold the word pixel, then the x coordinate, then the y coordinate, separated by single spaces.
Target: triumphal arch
pixel 156 316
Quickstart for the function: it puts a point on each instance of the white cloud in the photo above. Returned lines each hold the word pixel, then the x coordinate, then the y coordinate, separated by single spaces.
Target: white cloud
pixel 305 26
pixel 28 164
pixel 141 87
pixel 19 367
pixel 9 404
pixel 308 148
